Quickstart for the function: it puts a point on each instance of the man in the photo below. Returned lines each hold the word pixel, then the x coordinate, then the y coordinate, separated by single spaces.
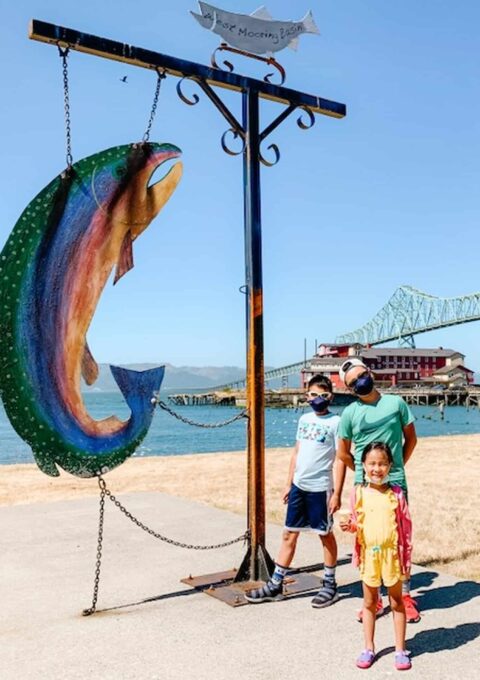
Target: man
pixel 376 417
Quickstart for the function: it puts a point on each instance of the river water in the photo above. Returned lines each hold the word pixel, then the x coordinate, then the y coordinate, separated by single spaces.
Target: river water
pixel 170 437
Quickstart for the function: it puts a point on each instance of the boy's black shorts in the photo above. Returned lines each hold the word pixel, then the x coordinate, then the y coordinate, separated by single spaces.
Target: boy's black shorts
pixel 308 510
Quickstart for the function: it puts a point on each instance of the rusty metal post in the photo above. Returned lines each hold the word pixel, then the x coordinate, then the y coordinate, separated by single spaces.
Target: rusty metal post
pixel 257 563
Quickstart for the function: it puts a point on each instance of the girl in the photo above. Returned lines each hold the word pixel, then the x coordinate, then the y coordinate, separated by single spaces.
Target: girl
pixel 383 547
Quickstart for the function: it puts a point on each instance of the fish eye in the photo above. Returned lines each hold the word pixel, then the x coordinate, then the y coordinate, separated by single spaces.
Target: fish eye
pixel 120 171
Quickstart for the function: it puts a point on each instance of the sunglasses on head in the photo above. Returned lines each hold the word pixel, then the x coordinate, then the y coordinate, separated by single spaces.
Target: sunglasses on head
pixel 354 382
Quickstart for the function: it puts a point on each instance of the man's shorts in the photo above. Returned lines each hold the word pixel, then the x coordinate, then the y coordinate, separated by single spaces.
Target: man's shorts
pixel 308 510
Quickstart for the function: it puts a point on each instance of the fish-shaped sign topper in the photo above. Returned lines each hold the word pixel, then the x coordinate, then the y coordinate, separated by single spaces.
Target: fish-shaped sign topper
pixel 258 32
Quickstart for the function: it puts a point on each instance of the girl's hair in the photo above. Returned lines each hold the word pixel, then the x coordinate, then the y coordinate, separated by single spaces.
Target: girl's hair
pixel 381 446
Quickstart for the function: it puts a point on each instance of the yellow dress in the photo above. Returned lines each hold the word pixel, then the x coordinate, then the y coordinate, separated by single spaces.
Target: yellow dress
pixel 378 537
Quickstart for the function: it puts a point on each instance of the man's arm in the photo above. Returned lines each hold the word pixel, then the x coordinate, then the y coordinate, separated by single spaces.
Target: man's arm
pixel 410 441
pixel 339 470
pixel 344 453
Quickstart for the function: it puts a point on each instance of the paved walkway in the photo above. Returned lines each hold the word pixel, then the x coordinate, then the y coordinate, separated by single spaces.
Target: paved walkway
pixel 157 628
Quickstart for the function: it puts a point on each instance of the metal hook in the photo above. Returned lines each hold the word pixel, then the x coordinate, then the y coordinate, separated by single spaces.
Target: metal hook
pixel 63 51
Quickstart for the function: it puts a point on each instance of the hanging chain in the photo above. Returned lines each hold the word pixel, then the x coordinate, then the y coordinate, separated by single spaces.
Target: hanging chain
pixel 164 407
pixel 91 610
pixel 105 492
pixel 66 99
pixel 161 75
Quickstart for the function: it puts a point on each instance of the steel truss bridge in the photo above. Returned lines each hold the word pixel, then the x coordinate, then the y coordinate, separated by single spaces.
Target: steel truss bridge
pixel 410 312
pixel 407 313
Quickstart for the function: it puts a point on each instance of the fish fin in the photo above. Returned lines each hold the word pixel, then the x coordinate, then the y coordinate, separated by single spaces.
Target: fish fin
pixel 203 21
pixel 309 23
pixel 138 386
pixel 89 366
pixel 125 259
pixel 206 9
pixel 262 13
pixel 293 44
pixel 46 465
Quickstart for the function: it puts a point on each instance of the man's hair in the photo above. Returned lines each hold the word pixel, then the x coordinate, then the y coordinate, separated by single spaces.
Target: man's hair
pixel 322 380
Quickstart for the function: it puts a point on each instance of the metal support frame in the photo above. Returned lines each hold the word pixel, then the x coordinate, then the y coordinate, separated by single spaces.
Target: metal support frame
pixel 257 564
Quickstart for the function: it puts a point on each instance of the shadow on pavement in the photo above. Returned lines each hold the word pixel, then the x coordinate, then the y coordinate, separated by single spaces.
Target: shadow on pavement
pixel 148 600
pixel 443 597
pixel 439 639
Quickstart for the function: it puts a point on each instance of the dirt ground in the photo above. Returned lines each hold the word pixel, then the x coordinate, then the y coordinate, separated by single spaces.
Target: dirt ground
pixel 443 478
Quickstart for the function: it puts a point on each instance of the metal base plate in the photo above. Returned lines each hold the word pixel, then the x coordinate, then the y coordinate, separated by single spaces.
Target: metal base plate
pixel 221 585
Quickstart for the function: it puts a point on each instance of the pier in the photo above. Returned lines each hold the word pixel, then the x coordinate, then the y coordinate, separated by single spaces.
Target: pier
pixel 293 398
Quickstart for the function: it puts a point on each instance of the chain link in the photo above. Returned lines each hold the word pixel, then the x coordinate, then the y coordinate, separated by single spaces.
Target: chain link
pixel 91 610
pixel 163 405
pixel 161 75
pixel 66 99
pixel 105 492
pixel 153 533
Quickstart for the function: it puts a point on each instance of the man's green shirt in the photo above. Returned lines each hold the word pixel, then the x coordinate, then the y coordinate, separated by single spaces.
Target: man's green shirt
pixel 382 421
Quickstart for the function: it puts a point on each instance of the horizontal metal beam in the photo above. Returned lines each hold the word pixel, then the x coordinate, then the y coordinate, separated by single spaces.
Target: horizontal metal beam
pixel 137 56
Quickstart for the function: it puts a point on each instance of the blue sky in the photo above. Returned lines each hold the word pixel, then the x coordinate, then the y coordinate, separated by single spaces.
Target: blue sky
pixel 355 208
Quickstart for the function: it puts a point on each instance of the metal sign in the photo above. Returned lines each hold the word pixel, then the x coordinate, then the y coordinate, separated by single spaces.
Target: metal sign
pixel 258 32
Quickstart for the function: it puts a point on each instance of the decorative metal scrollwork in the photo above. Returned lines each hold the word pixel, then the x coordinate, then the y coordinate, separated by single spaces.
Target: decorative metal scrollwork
pixel 228 66
pixel 311 122
pixel 276 152
pixel 273 62
pixel 235 134
pixel 195 98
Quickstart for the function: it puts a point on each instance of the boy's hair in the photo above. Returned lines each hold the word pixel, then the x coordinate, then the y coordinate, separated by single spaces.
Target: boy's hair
pixel 381 446
pixel 322 380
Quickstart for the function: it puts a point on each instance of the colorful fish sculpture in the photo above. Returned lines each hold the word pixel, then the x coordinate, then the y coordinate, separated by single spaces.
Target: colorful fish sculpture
pixel 258 32
pixel 53 269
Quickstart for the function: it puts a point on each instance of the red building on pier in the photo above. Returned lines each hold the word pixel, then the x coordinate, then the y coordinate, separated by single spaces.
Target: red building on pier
pixel 393 366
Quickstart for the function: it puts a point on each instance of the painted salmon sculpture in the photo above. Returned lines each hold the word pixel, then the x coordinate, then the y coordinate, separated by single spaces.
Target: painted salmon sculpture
pixel 53 269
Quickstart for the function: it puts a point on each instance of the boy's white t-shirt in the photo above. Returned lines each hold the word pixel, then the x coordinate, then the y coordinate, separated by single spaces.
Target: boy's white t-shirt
pixel 317 439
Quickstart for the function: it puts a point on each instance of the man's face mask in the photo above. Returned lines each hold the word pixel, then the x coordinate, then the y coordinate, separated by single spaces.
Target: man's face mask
pixel 363 385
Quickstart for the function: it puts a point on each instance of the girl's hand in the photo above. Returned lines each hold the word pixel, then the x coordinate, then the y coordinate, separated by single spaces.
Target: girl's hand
pixel 286 494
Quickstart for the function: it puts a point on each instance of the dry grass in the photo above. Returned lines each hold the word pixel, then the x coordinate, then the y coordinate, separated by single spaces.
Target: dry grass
pixel 444 476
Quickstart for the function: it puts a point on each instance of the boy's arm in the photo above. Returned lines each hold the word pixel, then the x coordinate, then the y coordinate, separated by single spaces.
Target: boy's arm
pixel 291 470
pixel 410 441
pixel 339 470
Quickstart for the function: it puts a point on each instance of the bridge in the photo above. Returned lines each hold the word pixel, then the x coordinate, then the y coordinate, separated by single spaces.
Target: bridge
pixel 291 369
pixel 407 313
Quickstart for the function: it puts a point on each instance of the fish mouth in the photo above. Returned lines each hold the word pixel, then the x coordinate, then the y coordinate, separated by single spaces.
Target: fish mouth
pixel 157 189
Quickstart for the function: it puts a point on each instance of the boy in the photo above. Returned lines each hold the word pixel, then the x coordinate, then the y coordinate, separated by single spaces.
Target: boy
pixel 309 494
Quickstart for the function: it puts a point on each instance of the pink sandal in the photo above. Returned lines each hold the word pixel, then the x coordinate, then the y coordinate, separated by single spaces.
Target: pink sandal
pixel 402 661
pixel 366 659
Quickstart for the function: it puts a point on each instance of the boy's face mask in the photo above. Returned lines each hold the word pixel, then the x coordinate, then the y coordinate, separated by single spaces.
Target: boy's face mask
pixel 319 401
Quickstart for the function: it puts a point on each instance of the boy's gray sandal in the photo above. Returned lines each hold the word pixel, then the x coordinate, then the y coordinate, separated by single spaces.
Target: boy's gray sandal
pixel 270 592
pixel 326 596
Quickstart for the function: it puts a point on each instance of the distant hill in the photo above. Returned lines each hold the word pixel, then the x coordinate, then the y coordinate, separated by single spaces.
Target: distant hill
pixel 176 377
